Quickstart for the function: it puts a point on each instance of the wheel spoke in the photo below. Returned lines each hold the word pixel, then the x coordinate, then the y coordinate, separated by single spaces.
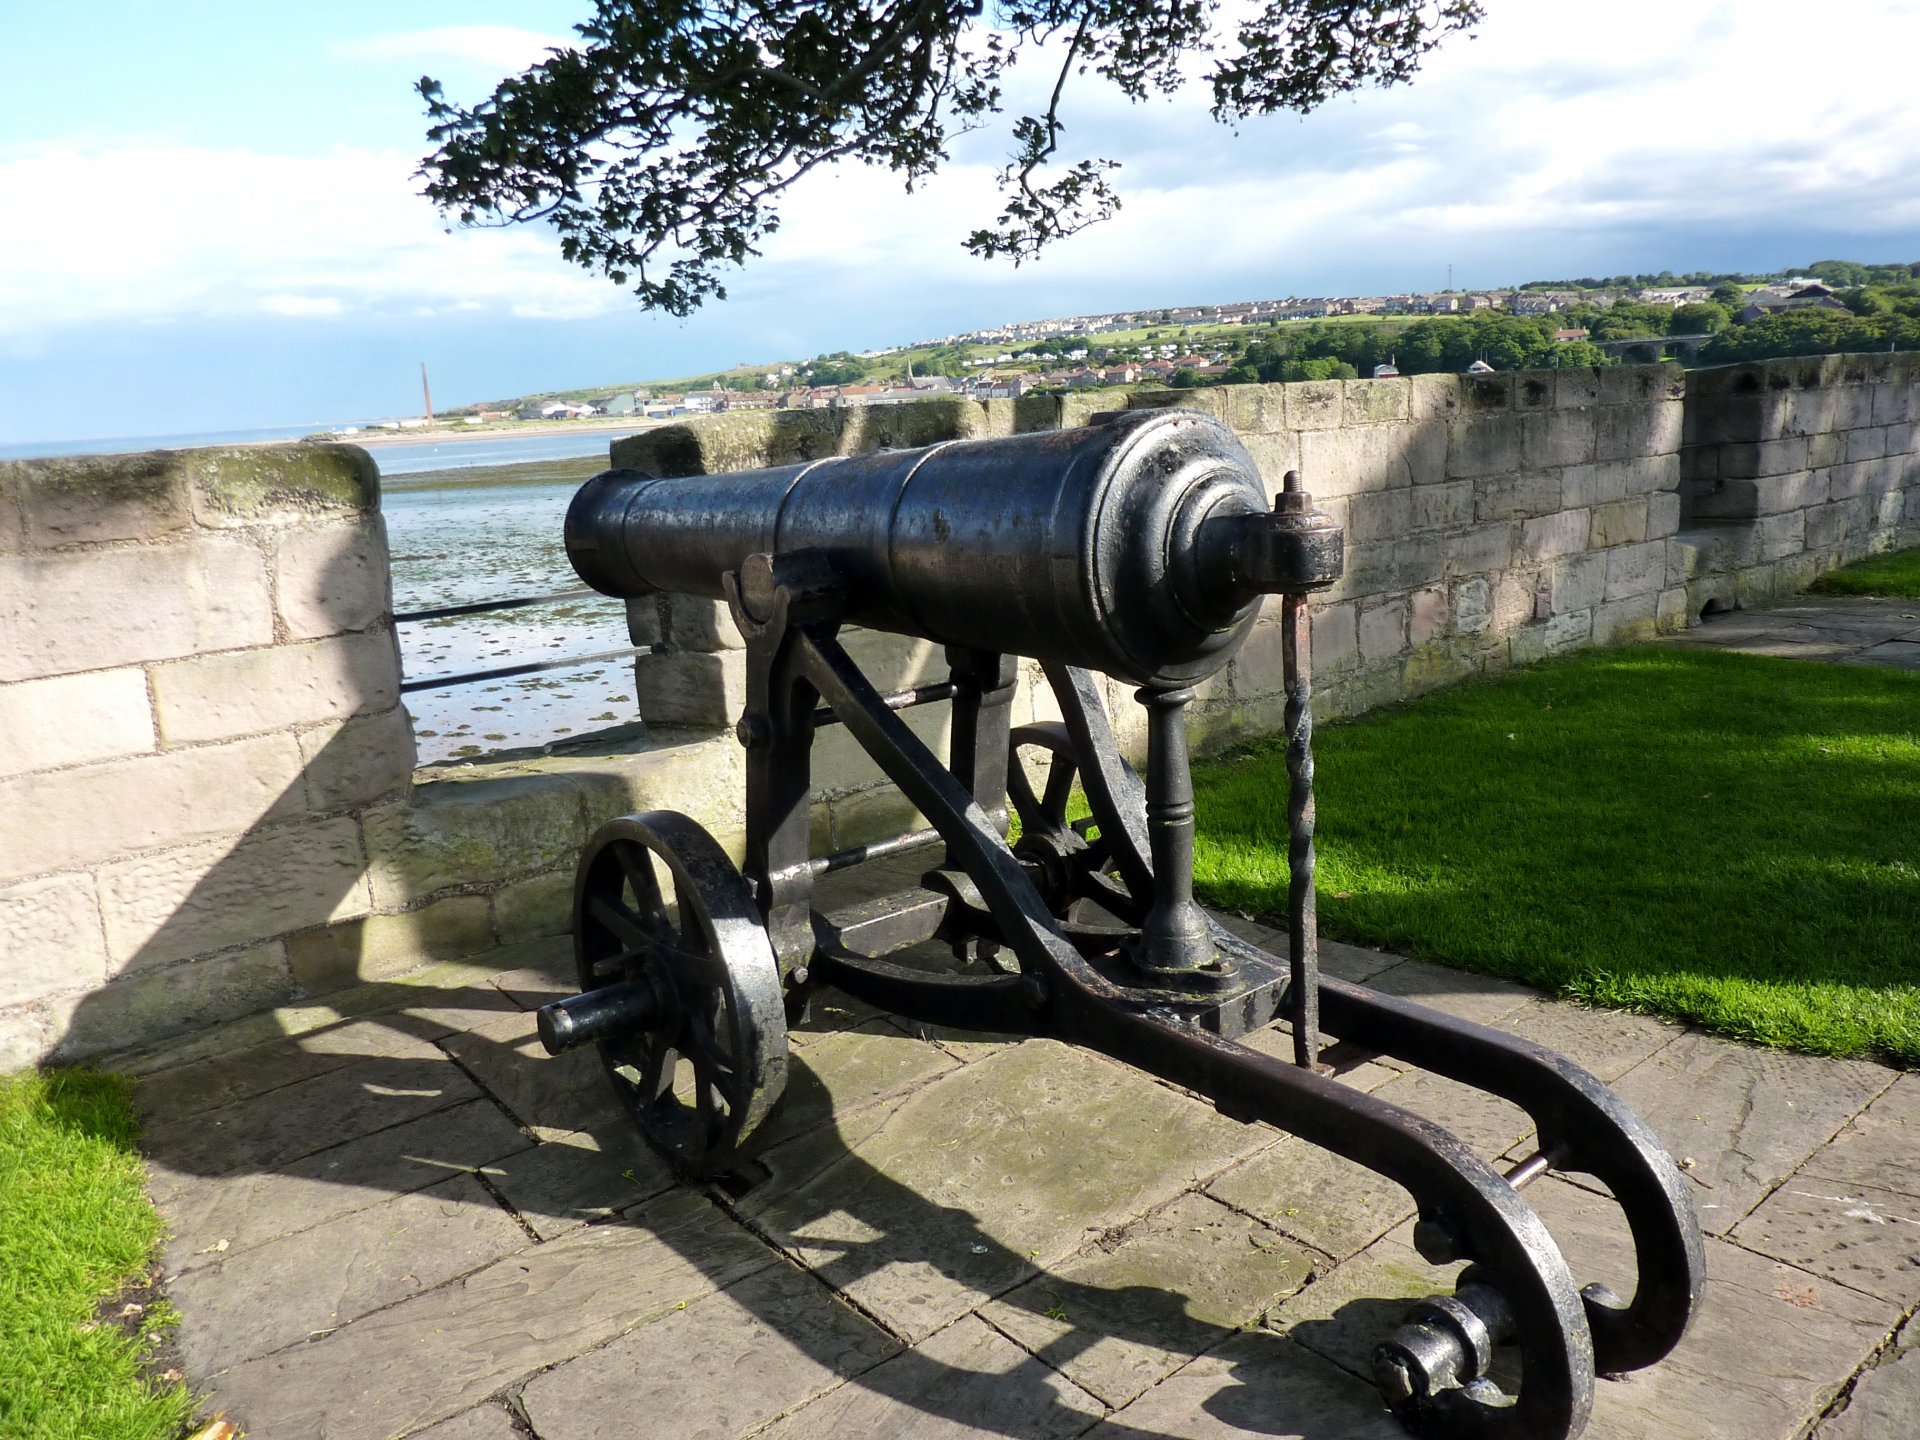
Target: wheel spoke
pixel 623 922
pixel 637 864
pixel 1060 777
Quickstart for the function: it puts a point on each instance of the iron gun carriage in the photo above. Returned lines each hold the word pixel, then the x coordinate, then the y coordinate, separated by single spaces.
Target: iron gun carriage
pixel 1141 547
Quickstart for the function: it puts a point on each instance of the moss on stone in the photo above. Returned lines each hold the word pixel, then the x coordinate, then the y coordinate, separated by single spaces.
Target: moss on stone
pixel 238 485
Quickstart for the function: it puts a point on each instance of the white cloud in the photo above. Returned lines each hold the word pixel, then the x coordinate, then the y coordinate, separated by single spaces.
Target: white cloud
pixel 494 47
pixel 1562 129
pixel 306 307
pixel 146 232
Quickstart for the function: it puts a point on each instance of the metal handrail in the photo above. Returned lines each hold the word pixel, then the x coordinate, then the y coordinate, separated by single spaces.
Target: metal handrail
pixel 507 672
pixel 481 606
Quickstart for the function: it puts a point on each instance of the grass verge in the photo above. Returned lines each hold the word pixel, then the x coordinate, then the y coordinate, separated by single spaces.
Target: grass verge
pixel 76 1229
pixel 1895 574
pixel 1720 838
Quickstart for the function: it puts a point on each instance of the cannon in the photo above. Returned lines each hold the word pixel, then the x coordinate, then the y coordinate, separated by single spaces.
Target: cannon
pixel 1141 546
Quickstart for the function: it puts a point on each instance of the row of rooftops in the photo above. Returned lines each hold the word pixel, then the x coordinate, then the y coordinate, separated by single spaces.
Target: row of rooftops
pixel 1518 302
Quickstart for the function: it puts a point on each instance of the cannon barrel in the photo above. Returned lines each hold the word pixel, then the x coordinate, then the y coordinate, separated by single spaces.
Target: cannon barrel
pixel 1139 547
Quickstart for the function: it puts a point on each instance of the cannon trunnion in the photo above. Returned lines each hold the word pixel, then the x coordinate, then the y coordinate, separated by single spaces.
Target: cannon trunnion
pixel 1142 548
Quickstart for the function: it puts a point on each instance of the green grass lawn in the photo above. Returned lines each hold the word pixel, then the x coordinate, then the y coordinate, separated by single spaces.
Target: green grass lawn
pixel 1720 838
pixel 75 1228
pixel 1896 573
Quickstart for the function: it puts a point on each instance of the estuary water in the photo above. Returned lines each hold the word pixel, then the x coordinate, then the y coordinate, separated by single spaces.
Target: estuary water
pixel 492 533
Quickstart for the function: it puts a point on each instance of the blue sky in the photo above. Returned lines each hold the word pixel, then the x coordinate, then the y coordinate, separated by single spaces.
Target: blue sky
pixel 208 220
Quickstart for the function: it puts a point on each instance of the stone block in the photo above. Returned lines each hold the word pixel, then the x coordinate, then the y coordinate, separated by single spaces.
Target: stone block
pixel 1618 479
pixel 51 937
pixel 1672 613
pixel 330 579
pixel 725 1365
pixel 1826 526
pixel 1780 535
pixel 1568 631
pixel 96 609
pixel 1636 384
pixel 1868 444
pixel 73 719
pixel 1548 537
pixel 1863 477
pixel 1636 569
pixel 1316 404
pixel 877 813
pixel 1256 409
pixel 1473 552
pixel 1828 407
pixel 436 1354
pixel 1135 1308
pixel 1482 393
pixel 697 623
pixel 1770 1346
pixel 1559 437
pixel 54 820
pixel 970 1184
pixel 1903 439
pixel 1770 495
pixel 1373 568
pixel 1897 404
pixel 1301 1397
pixel 1663 515
pixel 1273 455
pixel 301 1286
pixel 1828 447
pixel 1433 397
pixel 248 1209
pixel 1766 457
pixel 1511 497
pixel 1443 507
pixel 707 691
pixel 1372 457
pixel 1472 606
pixel 254 484
pixel 1516 599
pixel 1723 419
pixel 1386 515
pixel 77 499
pixel 477 832
pixel 168 906
pixel 1383 632
pixel 895 662
pixel 1534 390
pixel 1336 643
pixel 1746 1116
pixel 359 761
pixel 245 692
pixel 1629 432
pixel 380 947
pixel 1372 402
pixel 1577 582
pixel 1526 644
pixel 1484 445
pixel 534 908
pixel 1428 620
pixel 1576 385
pixel 1619 522
pixel 140 1006
pixel 969 1370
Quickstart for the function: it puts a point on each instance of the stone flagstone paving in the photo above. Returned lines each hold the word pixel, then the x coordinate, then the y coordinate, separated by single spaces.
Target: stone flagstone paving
pixel 401 1219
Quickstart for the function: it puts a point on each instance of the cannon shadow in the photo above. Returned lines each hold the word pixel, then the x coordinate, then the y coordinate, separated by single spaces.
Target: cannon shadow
pixel 465 1117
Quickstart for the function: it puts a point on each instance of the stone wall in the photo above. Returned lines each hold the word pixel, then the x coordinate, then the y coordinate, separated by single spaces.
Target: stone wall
pixel 199 693
pixel 205 805
pixel 1792 467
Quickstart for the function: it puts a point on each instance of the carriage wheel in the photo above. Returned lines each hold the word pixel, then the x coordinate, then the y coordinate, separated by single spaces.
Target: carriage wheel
pixel 686 1008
